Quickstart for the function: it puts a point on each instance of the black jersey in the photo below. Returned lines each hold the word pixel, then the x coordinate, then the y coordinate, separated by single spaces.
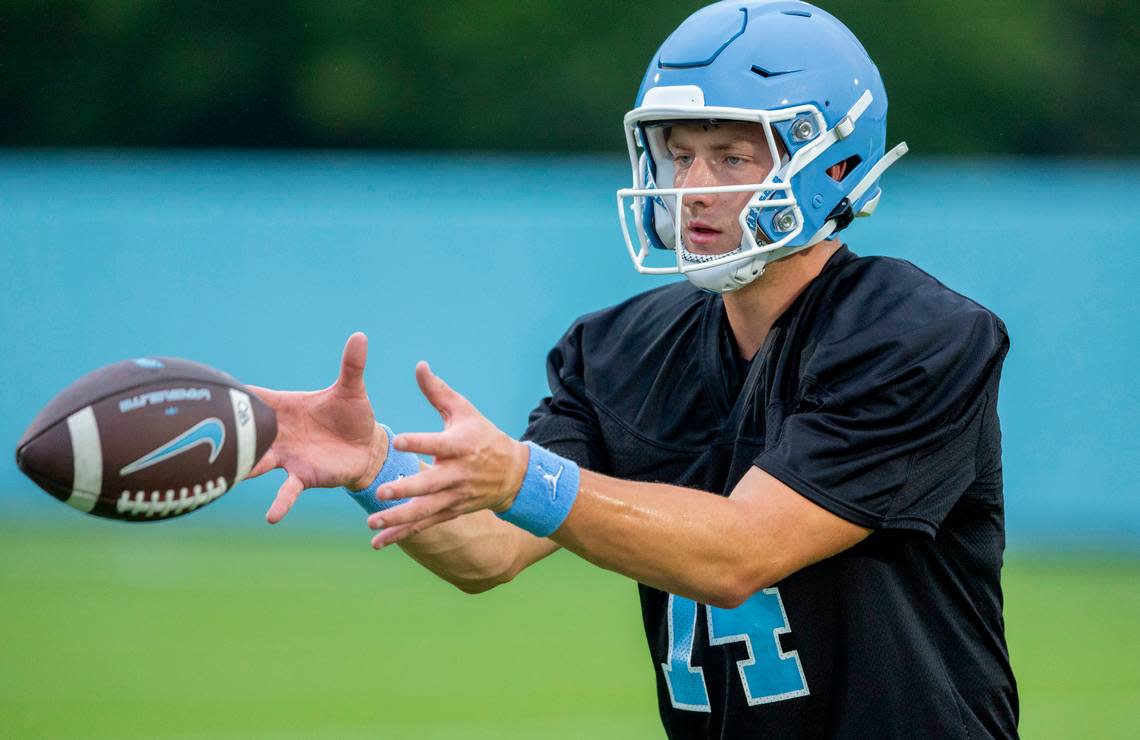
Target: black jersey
pixel 874 396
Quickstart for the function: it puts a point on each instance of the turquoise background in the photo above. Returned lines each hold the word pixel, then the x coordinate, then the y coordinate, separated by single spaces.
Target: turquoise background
pixel 262 264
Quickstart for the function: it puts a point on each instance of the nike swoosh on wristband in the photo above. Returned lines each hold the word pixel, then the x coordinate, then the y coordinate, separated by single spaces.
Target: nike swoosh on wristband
pixel 208 431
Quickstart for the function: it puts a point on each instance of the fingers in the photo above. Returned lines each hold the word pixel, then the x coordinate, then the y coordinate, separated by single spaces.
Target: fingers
pixel 415 510
pixel 436 444
pixel 426 482
pixel 286 496
pixel 439 394
pixel 352 362
pixel 267 462
pixel 394 534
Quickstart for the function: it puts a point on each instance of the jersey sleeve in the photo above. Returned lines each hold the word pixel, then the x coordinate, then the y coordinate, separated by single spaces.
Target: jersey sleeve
pixel 565 422
pixel 886 428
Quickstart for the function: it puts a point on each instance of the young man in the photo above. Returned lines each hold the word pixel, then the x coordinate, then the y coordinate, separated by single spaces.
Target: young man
pixel 796 453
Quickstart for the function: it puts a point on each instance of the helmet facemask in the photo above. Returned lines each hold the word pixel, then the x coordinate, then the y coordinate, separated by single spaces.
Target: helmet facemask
pixel 770 220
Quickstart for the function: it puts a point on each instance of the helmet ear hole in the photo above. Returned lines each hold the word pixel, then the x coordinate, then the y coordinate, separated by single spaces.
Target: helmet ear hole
pixel 842 169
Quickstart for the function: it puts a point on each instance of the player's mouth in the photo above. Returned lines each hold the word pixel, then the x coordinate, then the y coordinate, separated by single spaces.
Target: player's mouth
pixel 699 233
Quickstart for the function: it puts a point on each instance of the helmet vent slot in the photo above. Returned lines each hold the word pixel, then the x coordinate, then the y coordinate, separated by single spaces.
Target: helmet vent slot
pixel 800 13
pixel 766 74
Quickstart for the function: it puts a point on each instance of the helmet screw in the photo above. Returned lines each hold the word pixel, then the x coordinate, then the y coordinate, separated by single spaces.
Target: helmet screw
pixel 803 129
pixel 817 200
pixel 785 220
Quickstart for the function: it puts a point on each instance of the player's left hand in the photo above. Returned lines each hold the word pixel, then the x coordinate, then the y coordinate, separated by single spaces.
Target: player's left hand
pixel 477 466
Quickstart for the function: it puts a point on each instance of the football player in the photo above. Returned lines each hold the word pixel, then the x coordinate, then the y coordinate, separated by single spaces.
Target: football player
pixel 795 452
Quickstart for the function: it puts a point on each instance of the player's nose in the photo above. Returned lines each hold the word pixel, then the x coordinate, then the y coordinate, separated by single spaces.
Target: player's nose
pixel 698 175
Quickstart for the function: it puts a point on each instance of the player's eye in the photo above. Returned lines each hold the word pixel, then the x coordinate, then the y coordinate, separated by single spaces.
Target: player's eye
pixel 682 160
pixel 733 161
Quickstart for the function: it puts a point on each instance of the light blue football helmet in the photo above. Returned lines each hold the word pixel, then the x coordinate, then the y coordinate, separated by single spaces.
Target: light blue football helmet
pixel 807 80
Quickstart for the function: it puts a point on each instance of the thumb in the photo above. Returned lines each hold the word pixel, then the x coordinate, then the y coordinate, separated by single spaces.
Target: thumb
pixel 352 363
pixel 438 393
pixel 269 397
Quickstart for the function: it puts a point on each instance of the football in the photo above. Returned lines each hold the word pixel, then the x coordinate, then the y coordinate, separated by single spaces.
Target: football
pixel 146 439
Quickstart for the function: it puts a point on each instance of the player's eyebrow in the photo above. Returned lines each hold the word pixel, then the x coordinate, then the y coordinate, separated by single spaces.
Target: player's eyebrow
pixel 716 146
pixel 730 144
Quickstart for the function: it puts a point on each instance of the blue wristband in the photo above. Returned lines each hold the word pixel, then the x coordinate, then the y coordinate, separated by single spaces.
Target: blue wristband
pixel 397 465
pixel 548 491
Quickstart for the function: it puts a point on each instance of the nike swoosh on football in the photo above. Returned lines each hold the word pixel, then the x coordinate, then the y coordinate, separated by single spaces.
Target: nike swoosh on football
pixel 208 431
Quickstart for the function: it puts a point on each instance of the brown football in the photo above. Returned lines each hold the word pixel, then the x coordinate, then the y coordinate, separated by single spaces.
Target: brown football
pixel 146 439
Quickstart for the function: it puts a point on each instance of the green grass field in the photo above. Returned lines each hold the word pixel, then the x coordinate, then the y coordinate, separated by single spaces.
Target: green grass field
pixel 158 632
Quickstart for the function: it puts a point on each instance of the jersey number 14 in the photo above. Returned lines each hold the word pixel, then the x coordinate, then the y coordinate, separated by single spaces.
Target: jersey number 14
pixel 768 674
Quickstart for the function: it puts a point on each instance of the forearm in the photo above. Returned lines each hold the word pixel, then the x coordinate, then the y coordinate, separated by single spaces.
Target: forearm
pixel 679 540
pixel 709 548
pixel 477 551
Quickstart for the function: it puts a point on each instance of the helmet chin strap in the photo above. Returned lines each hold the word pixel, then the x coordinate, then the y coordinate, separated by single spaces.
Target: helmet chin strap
pixel 874 174
pixel 727 277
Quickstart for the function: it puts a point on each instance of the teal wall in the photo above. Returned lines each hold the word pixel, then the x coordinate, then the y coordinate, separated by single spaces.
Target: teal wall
pixel 262 264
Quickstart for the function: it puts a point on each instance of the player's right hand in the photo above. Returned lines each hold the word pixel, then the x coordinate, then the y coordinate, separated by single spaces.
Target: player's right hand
pixel 327 438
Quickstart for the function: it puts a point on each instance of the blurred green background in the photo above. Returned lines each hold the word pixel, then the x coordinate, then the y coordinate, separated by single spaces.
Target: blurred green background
pixel 217 626
pixel 972 76
pixel 143 632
